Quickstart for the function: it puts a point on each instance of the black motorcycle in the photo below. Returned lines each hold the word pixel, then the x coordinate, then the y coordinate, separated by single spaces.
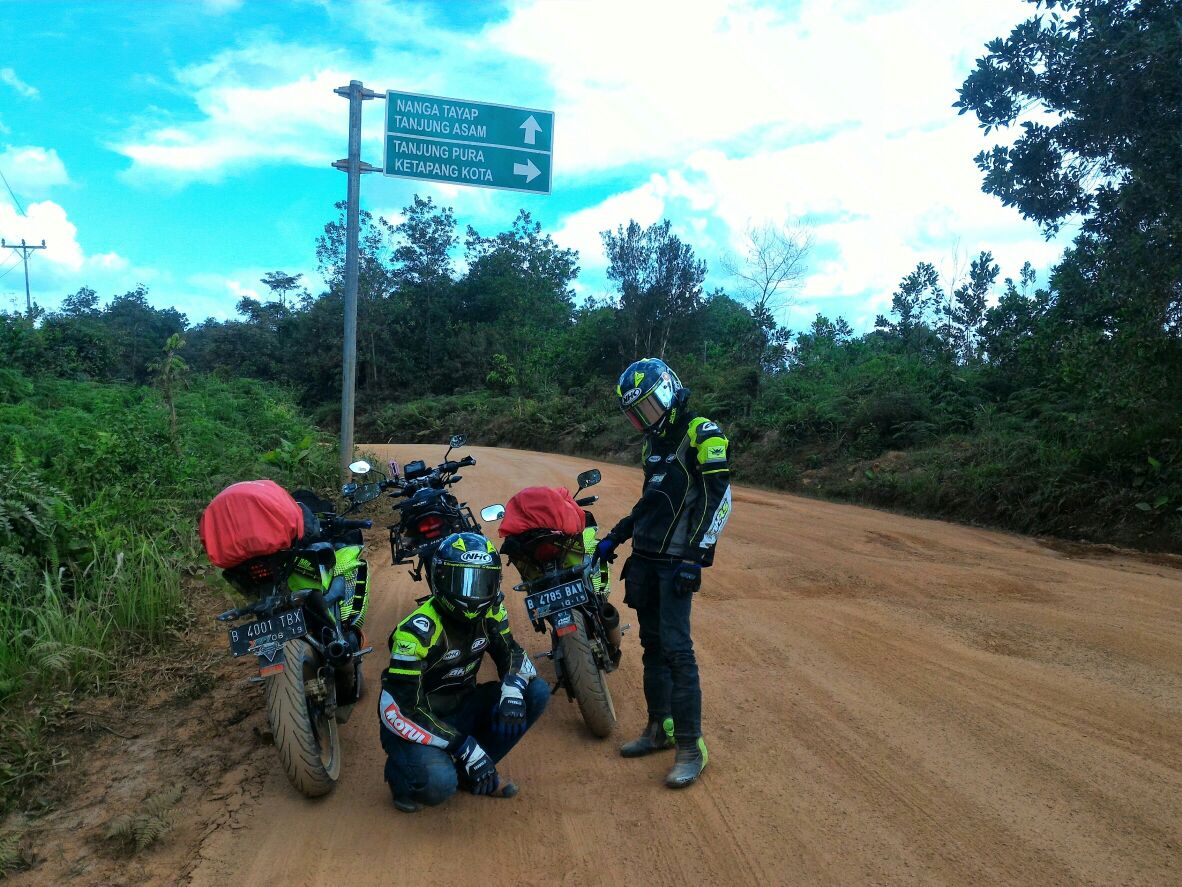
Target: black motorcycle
pixel 428 512
pixel 566 596
pixel 305 635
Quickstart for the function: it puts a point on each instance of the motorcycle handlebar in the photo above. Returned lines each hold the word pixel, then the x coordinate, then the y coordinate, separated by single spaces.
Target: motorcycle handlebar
pixel 343 524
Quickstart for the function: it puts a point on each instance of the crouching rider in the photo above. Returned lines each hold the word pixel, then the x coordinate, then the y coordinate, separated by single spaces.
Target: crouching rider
pixel 439 728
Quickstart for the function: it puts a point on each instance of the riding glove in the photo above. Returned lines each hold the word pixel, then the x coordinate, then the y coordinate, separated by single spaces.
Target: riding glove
pixel 605 551
pixel 479 768
pixel 687 578
pixel 508 719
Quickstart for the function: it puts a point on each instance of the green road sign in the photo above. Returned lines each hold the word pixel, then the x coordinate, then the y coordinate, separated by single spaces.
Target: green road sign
pixel 468 143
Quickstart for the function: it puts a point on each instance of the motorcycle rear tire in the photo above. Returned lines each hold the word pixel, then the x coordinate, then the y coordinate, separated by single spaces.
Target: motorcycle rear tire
pixel 309 747
pixel 587 681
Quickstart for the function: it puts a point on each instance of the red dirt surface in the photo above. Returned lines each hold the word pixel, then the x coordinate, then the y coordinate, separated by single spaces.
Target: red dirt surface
pixel 886 701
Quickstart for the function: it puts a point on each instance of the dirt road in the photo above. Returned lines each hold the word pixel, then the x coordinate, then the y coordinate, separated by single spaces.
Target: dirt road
pixel 886 700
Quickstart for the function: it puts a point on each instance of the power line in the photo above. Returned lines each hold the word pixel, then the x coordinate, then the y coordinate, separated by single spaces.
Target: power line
pixel 10 268
pixel 11 194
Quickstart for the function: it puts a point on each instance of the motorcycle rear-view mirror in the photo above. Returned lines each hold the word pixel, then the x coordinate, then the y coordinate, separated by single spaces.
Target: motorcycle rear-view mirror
pixel 492 512
pixel 589 478
pixel 457 441
pixel 360 467
pixel 348 490
pixel 367 493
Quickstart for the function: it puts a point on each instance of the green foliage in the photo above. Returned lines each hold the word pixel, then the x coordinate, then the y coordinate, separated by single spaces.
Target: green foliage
pixel 98 520
pixel 11 856
pixel 144 827
pixel 660 284
pixel 307 462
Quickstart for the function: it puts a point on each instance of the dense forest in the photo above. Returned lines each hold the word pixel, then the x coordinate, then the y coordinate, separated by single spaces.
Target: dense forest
pixel 1051 408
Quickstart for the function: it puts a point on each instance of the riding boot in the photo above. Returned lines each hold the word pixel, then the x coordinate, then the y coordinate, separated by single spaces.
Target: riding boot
pixel 657 736
pixel 689 764
pixel 405 805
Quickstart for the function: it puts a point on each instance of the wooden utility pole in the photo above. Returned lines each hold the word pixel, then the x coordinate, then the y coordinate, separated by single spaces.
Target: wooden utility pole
pixel 23 249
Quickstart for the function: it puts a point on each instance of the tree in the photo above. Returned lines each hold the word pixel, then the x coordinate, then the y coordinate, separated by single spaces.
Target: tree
pixel 518 288
pixel 772 263
pixel 1104 148
pixel 1106 72
pixel 966 312
pixel 169 372
pixel 280 284
pixel 660 285
pixel 134 326
pixel 427 236
pixel 915 304
pixel 83 303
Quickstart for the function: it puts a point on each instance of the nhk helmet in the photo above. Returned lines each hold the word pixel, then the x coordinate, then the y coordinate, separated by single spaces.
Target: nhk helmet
pixel 465 575
pixel 647 392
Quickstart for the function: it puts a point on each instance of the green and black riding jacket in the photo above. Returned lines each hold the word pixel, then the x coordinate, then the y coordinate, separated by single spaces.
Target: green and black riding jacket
pixel 434 660
pixel 687 491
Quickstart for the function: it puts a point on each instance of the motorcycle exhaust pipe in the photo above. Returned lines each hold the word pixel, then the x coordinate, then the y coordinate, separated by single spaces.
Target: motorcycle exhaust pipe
pixel 611 625
pixel 338 652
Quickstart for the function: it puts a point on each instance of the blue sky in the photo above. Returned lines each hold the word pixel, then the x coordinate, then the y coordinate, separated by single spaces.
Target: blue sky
pixel 187 145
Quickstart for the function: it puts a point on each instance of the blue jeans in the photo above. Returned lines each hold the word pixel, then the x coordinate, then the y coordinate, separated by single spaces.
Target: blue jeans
pixel 426 774
pixel 671 686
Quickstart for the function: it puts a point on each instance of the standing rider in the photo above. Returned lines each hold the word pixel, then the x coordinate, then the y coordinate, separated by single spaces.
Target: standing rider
pixel 440 728
pixel 674 527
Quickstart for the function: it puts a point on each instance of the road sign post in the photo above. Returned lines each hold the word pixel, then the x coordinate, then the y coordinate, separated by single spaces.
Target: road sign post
pixel 352 165
pixel 436 140
pixel 468 143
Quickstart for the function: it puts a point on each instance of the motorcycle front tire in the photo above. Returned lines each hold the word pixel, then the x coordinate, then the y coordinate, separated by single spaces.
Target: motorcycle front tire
pixel 587 681
pixel 309 745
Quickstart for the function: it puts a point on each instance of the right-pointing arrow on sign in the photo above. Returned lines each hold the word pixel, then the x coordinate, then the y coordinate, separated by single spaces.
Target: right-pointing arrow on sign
pixel 531 127
pixel 526 169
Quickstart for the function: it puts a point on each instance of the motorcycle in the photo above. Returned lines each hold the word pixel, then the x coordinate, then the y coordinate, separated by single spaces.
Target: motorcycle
pixel 429 512
pixel 566 596
pixel 307 606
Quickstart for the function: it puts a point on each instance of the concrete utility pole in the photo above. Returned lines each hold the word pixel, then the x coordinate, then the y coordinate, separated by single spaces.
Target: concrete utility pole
pixel 24 251
pixel 352 165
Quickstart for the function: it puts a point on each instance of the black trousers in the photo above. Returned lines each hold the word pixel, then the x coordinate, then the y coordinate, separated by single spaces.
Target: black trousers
pixel 671 686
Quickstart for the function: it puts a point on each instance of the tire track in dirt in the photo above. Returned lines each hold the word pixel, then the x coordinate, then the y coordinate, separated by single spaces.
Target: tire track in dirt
pixel 861 728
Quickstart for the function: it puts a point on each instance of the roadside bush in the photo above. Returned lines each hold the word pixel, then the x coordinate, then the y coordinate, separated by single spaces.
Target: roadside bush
pixel 98 517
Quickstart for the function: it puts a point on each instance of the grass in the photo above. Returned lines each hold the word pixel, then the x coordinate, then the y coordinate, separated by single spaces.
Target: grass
pixel 98 516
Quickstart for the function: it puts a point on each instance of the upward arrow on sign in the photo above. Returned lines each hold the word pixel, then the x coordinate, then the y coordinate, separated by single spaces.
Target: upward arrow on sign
pixel 531 128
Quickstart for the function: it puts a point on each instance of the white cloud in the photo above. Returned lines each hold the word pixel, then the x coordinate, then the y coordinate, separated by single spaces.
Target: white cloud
pixel 46 221
pixel 63 266
pixel 879 204
pixel 724 113
pixel 581 230
pixel 32 170
pixel 655 80
pixel 8 76
pixel 259 105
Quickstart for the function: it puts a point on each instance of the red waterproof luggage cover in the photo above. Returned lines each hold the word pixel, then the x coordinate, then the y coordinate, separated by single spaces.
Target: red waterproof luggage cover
pixel 542 508
pixel 250 519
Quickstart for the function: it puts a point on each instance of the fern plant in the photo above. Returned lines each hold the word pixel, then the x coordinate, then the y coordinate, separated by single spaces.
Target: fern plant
pixel 11 856
pixel 142 828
